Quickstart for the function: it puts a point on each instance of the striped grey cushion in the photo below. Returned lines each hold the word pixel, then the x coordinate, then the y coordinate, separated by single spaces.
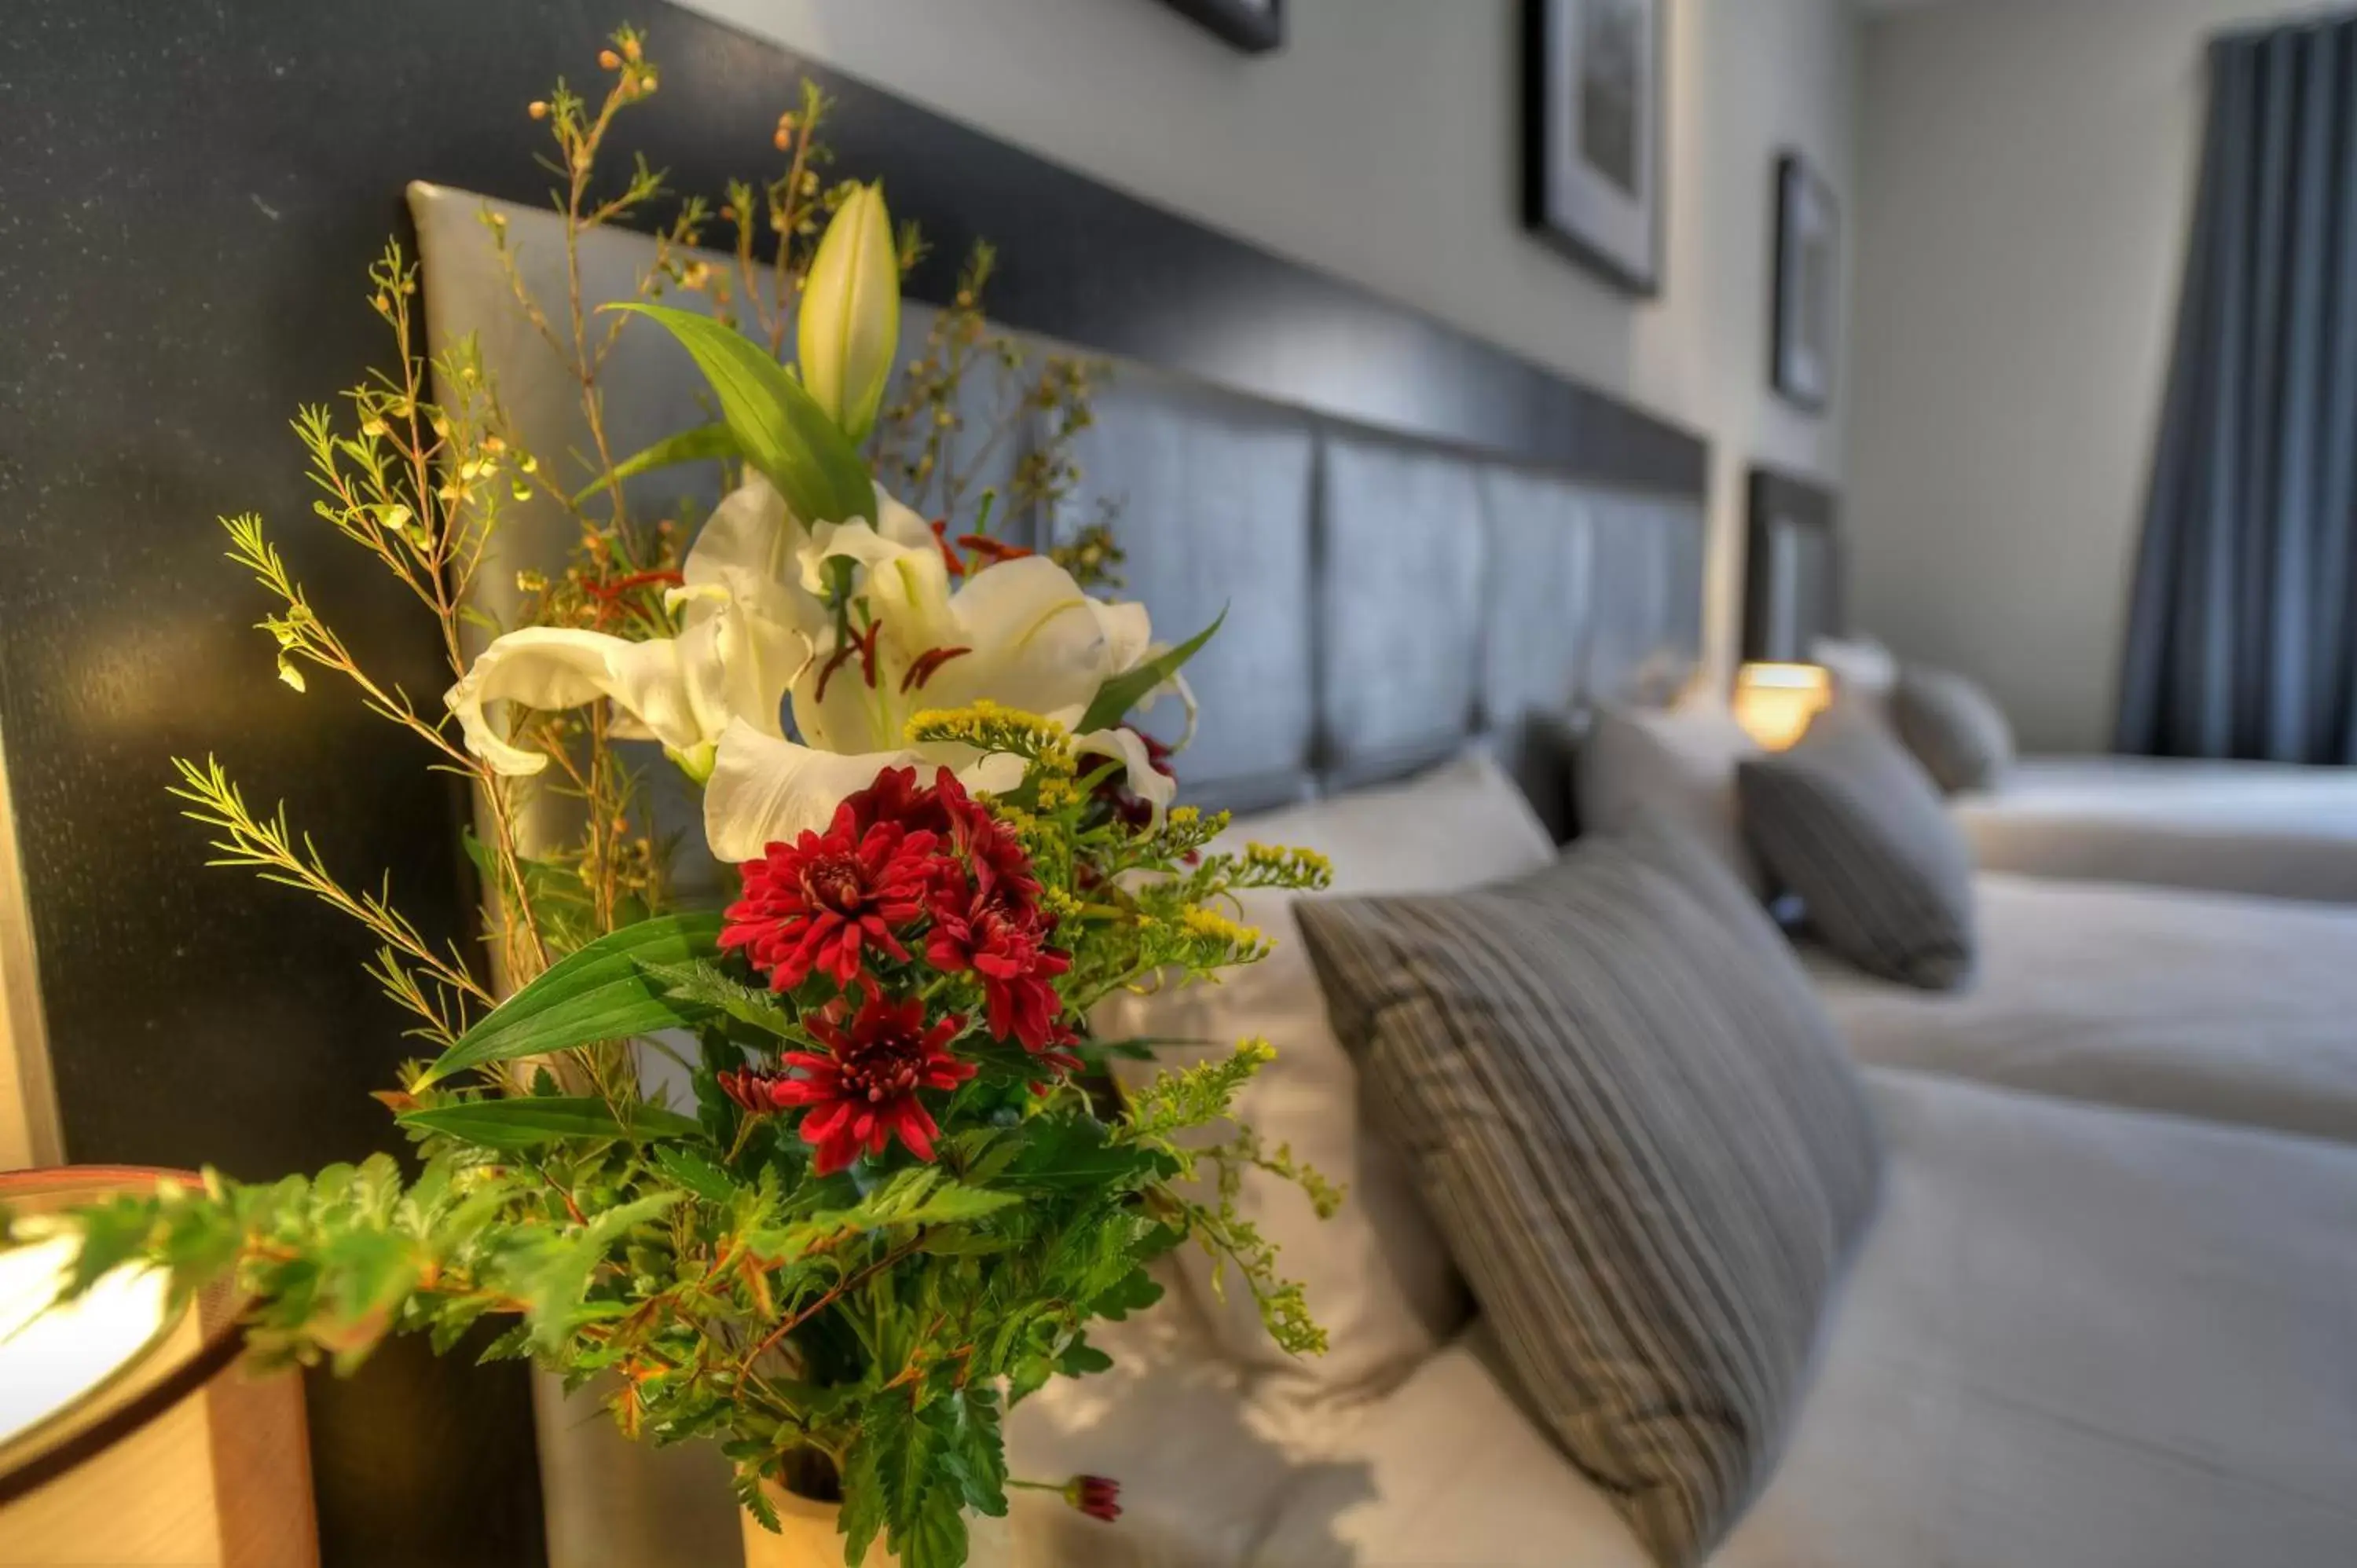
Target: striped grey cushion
pixel 1954 728
pixel 1848 821
pixel 1641 1136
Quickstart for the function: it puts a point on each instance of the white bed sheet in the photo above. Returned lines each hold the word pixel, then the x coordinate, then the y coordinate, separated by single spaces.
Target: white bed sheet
pixel 2073 1335
pixel 2244 827
pixel 2231 1008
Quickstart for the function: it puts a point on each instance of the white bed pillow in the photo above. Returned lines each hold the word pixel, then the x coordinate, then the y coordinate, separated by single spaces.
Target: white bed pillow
pixel 1673 765
pixel 1376 1274
pixel 1860 665
pixel 1862 671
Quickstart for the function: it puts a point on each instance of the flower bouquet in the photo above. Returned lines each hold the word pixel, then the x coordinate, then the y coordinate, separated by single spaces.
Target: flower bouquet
pixel 895 1184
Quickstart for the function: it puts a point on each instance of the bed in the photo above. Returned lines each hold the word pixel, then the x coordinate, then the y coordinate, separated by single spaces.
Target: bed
pixel 2237 827
pixel 1977 1398
pixel 2270 828
pixel 2231 1008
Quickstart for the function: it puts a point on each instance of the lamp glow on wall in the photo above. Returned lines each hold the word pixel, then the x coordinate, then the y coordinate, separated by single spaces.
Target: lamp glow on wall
pixel 1775 704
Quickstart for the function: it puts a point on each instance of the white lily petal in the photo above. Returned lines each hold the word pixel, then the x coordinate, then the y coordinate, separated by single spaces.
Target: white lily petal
pixel 1185 695
pixel 1176 686
pixel 556 667
pixel 854 542
pixel 748 539
pixel 1129 635
pixel 1146 781
pixel 1037 640
pixel 764 790
pixel 901 525
pixel 746 552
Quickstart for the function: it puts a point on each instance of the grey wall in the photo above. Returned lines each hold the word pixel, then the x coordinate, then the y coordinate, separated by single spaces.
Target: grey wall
pixel 2026 178
pixel 1381 145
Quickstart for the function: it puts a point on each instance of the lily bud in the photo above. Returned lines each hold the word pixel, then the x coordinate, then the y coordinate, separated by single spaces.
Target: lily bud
pixel 850 321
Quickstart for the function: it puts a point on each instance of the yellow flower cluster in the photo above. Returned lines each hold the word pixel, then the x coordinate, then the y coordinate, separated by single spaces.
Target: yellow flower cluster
pixel 987 726
pixel 1294 867
pixel 1213 926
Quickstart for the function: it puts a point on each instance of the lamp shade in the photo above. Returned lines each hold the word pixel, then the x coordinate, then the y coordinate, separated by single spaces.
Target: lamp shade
pixel 128 1434
pixel 1775 704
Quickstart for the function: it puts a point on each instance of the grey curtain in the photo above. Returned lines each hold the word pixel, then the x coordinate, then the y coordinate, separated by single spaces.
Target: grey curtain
pixel 2241 636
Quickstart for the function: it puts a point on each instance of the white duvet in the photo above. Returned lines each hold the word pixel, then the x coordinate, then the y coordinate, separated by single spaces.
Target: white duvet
pixel 2233 1009
pixel 2073 1337
pixel 2246 827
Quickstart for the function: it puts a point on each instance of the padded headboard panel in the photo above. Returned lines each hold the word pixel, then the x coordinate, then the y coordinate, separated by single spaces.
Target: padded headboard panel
pixel 1390 599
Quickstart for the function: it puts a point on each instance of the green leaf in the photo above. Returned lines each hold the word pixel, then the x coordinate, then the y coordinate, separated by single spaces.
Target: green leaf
pixel 936 1537
pixel 520 1123
pixel 513 1344
pixel 777 426
pixel 1080 1359
pixel 904 1461
pixel 703 443
pixel 1136 1291
pixel 697 1174
pixel 865 1499
pixel 1065 1151
pixel 1124 691
pixel 700 983
pixel 745 1483
pixel 602 993
pixel 977 1457
pixel 952 1204
pixel 554 1274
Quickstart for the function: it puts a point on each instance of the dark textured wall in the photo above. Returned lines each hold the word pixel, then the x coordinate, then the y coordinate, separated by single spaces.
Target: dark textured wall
pixel 189 195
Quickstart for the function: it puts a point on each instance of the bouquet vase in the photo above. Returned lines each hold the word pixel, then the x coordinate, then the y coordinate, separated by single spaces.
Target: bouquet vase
pixel 807 1536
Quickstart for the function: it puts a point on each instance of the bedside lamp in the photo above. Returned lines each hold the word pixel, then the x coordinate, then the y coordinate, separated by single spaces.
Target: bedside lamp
pixel 127 1435
pixel 1776 702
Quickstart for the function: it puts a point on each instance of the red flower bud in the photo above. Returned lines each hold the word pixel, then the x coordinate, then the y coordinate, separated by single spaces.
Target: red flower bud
pixel 1095 1496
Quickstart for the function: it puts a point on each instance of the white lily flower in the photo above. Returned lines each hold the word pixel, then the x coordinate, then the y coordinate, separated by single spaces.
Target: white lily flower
pixel 745 631
pixel 1126 747
pixel 757 632
pixel 1020 633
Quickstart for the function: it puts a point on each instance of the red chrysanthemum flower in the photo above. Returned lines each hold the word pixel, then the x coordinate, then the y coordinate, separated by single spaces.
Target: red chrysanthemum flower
pixel 1002 867
pixel 862 1092
pixel 819 902
pixel 1003 940
pixel 896 797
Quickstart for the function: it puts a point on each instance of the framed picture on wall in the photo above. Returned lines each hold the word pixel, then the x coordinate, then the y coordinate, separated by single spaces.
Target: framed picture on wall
pixel 1592 164
pixel 1807 307
pixel 1254 26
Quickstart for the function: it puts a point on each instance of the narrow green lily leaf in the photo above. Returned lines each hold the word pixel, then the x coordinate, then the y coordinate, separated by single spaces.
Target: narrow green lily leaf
pixel 706 441
pixel 602 993
pixel 1124 691
pixel 776 424
pixel 520 1122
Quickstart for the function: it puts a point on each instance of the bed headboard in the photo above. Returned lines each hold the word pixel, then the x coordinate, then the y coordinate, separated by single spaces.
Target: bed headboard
pixel 1793 588
pixel 222 258
pixel 1390 597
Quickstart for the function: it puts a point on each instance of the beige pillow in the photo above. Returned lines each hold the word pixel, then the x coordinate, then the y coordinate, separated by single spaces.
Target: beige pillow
pixel 1647 1141
pixel 1954 726
pixel 1376 1274
pixel 1674 767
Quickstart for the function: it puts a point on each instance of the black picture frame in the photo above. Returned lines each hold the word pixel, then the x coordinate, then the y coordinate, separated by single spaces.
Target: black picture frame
pixel 1595 163
pixel 1794 567
pixel 1804 313
pixel 1255 26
